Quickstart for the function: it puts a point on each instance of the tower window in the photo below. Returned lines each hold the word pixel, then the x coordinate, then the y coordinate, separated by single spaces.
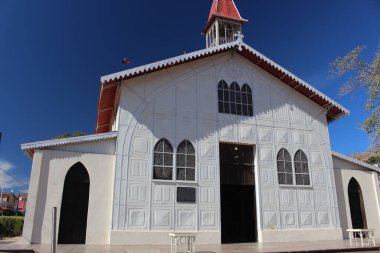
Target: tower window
pixel 233 100
pixel 163 160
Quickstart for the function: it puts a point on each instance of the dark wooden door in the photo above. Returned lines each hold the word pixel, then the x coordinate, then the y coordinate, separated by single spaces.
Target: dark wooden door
pixel 237 189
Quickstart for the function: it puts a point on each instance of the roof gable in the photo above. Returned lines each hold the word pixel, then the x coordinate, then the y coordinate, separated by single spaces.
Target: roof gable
pixel 108 98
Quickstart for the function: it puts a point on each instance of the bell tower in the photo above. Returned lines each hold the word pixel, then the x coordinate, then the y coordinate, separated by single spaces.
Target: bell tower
pixel 224 23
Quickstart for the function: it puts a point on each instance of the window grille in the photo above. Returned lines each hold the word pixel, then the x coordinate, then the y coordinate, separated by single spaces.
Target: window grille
pixel 284 167
pixel 301 167
pixel 163 160
pixel 185 161
pixel 233 100
pixel 246 95
pixel 223 97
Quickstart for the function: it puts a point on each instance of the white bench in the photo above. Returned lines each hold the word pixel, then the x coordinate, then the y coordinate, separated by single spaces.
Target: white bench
pixel 182 240
pixel 369 234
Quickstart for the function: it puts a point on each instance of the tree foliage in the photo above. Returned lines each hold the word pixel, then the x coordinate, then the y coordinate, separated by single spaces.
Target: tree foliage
pixel 365 76
pixel 67 135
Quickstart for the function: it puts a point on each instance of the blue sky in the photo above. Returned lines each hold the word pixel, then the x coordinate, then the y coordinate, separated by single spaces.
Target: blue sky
pixel 53 53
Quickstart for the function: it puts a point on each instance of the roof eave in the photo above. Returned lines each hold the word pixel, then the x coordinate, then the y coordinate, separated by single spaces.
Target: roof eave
pixel 29 148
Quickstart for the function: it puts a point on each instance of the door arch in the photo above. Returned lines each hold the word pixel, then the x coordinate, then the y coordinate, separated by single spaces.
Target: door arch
pixel 355 196
pixel 74 206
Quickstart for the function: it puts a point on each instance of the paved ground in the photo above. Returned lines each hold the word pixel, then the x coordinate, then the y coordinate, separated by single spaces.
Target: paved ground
pixel 321 246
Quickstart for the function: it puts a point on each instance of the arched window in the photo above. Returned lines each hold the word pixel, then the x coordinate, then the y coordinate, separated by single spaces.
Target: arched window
pixel 186 161
pixel 235 99
pixel 163 160
pixel 223 97
pixel 301 168
pixel 284 167
pixel 246 96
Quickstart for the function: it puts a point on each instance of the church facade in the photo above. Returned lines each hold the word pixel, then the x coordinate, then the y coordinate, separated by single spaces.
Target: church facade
pixel 222 142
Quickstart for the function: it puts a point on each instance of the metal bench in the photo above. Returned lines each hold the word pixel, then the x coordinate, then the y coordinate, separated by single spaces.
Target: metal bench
pixel 363 236
pixel 180 241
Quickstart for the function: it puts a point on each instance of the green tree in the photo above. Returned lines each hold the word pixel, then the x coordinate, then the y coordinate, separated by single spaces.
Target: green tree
pixel 365 76
pixel 373 160
pixel 67 135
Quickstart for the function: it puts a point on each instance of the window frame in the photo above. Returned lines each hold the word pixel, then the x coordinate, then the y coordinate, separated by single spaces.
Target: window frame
pixel 284 172
pixel 301 173
pixel 185 167
pixel 163 166
pixel 234 100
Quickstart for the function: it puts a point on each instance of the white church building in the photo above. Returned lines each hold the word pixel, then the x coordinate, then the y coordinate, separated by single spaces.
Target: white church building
pixel 222 142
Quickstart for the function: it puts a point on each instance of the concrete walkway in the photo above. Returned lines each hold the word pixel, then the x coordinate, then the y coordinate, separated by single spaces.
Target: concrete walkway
pixel 320 246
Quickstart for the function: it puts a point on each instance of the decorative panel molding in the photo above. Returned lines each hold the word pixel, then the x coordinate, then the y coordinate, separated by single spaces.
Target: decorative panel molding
pixel 289 219
pixel 186 219
pixel 305 197
pixel 137 192
pixel 208 219
pixel 323 218
pixel 321 197
pixel 270 220
pixel 306 218
pixel 266 154
pixel 287 197
pixel 298 138
pixel 269 197
pixel 246 133
pixel 139 169
pixel 141 145
pixel 207 172
pixel 207 150
pixel 208 195
pixel 268 176
pixel 265 134
pixel 123 192
pixel 316 158
pixel 319 177
pixel 282 136
pixel 137 218
pixel 162 219
pixel 207 129
pixel 228 132
pixel 163 194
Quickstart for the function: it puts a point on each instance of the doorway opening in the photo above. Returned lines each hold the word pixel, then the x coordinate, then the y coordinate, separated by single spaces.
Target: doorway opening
pixel 237 191
pixel 358 217
pixel 74 206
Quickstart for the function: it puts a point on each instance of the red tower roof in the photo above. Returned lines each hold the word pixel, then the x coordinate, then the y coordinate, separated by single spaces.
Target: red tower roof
pixel 224 9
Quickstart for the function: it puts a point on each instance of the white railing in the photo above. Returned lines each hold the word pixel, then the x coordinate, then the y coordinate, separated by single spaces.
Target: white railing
pixel 361 236
pixel 223 40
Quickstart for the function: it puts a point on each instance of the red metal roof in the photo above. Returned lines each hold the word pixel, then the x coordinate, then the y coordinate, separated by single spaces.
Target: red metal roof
pixel 225 9
pixel 109 93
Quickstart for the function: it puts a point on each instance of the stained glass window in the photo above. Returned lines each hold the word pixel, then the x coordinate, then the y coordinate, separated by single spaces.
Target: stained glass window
pixel 163 160
pixel 284 167
pixel 233 100
pixel 301 167
pixel 186 161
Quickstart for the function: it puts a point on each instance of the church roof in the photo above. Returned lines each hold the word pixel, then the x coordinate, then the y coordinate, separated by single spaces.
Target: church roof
pixel 108 98
pixel 355 161
pixel 29 148
pixel 224 9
